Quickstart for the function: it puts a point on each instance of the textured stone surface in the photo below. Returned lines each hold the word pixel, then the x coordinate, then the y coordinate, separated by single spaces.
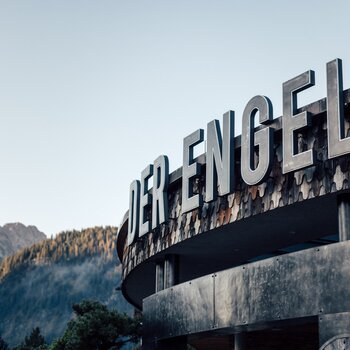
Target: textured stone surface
pixel 325 177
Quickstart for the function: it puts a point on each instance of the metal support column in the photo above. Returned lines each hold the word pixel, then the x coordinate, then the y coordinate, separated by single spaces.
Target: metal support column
pixel 171 270
pixel 333 325
pixel 159 275
pixel 344 217
pixel 240 341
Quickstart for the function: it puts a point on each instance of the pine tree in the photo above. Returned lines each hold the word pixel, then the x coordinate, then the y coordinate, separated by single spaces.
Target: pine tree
pixel 97 328
pixel 3 345
pixel 35 339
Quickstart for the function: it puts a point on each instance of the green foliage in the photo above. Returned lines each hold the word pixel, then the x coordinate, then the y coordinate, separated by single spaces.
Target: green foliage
pixel 97 328
pixel 3 345
pixel 35 341
pixel 94 327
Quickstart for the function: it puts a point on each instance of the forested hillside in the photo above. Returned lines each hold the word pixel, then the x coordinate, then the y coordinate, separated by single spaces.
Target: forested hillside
pixel 39 284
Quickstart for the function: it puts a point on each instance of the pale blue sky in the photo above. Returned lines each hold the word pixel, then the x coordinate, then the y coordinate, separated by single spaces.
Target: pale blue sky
pixel 93 91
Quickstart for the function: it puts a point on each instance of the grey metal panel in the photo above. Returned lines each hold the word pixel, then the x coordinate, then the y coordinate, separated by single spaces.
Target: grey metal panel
pixel 333 325
pixel 293 286
pixel 301 284
pixel 180 310
pixel 259 293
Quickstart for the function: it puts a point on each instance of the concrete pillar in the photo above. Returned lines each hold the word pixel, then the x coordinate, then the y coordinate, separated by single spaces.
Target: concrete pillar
pixel 344 217
pixel 159 275
pixel 333 325
pixel 240 341
pixel 171 270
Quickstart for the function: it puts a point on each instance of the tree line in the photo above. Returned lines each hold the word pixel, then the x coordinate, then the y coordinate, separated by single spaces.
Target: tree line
pixel 93 327
pixel 66 245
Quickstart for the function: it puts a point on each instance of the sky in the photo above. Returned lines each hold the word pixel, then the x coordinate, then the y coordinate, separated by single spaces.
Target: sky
pixel 91 92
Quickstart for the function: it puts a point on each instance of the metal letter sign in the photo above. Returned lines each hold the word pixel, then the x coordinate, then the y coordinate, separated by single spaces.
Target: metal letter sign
pixel 338 144
pixel 160 191
pixel 256 152
pixel 134 205
pixel 190 169
pixel 292 159
pixel 253 173
pixel 145 200
pixel 220 157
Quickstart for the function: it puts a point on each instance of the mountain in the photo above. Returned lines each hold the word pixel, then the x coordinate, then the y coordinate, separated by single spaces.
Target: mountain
pixel 39 284
pixel 16 236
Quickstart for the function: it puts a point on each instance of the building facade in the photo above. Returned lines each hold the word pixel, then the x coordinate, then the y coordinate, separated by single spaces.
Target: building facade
pixel 265 266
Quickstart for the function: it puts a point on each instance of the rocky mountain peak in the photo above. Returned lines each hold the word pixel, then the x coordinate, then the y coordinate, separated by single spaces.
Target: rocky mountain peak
pixel 14 236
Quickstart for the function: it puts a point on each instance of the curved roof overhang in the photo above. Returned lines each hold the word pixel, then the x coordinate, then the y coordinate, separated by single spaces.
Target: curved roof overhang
pixel 285 210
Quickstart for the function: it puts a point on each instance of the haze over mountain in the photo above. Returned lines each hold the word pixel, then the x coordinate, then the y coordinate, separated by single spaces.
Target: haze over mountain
pixel 39 284
pixel 16 236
